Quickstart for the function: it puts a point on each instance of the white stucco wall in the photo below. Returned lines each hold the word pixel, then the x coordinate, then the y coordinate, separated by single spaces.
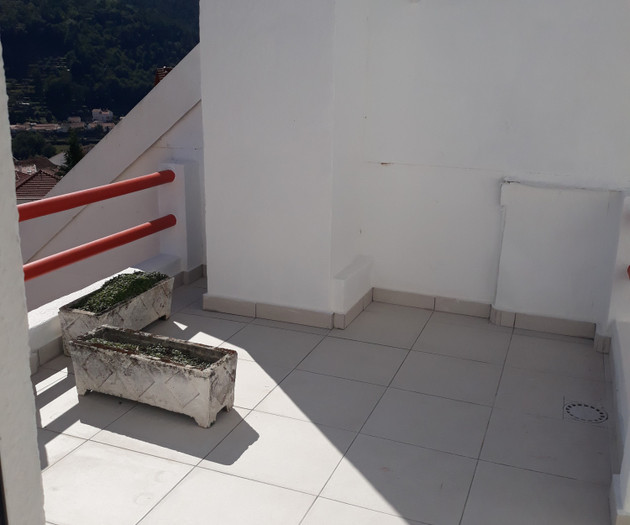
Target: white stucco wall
pixel 267 99
pixel 620 297
pixel 165 127
pixel 433 105
pixel 19 457
pixel 558 252
pixel 459 96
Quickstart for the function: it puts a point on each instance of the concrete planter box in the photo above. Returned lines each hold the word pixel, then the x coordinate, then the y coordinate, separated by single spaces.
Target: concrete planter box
pixel 184 389
pixel 134 313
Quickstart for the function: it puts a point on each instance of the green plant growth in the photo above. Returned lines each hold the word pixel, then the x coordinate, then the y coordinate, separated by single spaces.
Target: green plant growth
pixel 118 289
pixel 73 154
pixel 157 350
pixel 66 57
pixel 28 144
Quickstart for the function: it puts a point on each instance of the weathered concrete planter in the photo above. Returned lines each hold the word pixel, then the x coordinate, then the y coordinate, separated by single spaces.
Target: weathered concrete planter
pixel 200 394
pixel 134 313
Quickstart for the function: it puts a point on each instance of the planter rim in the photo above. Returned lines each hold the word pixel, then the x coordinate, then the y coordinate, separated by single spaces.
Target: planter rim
pixel 70 306
pixel 81 342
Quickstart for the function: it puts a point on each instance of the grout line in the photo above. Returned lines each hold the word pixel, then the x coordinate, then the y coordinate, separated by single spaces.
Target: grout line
pixel 485 434
pixel 239 476
pixel 339 377
pixel 249 411
pixel 416 445
pixel 307 421
pixel 468 359
pixel 366 342
pixel 67 453
pixel 455 400
pixel 287 375
pixel 360 429
pixel 559 476
pixel 355 505
pixel 165 495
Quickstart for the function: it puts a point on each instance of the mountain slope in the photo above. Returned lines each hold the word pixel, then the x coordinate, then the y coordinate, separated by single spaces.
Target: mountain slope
pixel 65 57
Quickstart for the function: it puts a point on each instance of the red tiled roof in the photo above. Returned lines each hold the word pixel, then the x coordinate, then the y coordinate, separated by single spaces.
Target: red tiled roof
pixel 36 185
pixel 39 162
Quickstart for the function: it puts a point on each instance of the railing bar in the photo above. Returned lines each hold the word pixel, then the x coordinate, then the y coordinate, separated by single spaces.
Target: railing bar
pixel 67 257
pixel 43 207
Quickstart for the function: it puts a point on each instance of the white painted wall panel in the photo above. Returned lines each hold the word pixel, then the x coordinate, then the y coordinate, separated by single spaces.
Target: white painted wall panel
pixel 558 252
pixel 18 434
pixel 429 106
pixel 267 100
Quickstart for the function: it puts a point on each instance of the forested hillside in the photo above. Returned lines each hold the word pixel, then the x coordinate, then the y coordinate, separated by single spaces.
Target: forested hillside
pixel 65 57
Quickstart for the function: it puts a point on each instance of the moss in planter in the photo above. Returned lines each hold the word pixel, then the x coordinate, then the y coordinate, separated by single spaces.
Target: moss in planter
pixel 159 351
pixel 119 289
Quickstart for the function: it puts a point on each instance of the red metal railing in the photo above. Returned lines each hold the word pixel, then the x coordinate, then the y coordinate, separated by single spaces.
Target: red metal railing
pixel 67 257
pixel 32 210
pixel 44 207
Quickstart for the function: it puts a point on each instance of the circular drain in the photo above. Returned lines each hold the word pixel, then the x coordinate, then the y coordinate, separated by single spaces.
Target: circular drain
pixel 586 413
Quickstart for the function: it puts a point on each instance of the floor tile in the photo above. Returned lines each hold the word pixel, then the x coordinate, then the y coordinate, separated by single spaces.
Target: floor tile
pixel 168 435
pixel 323 399
pixel 281 451
pixel 184 296
pixel 46 378
pixel 501 494
pixel 291 326
pixel 565 448
pixel 555 337
pixel 102 485
pixel 329 512
pixel 205 496
pixel 54 446
pixel 543 394
pixel 62 362
pixel 386 324
pixel 467 341
pixel 253 382
pixel 429 421
pixel 272 346
pixel 355 360
pixel 61 409
pixel 561 357
pixel 196 328
pixel 408 481
pixel 450 377
pixel 202 282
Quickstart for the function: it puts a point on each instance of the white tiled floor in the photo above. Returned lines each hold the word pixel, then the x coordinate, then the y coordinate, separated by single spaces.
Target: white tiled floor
pixel 407 416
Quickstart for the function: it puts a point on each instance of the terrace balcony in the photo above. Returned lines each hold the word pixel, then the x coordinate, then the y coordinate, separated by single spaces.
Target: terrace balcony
pixel 409 218
pixel 406 416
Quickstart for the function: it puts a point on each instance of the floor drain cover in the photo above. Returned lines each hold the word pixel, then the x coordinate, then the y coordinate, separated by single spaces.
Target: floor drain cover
pixel 585 412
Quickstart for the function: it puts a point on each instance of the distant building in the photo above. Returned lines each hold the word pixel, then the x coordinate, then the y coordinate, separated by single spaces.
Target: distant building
pixel 160 73
pixel 74 120
pixel 34 164
pixel 104 125
pixel 34 178
pixel 44 127
pixel 102 115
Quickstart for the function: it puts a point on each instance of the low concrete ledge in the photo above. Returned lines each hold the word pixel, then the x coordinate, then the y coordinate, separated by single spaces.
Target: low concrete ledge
pixel 550 325
pixel 342 320
pixel 44 328
pixel 294 315
pixel 286 314
pixel 229 306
